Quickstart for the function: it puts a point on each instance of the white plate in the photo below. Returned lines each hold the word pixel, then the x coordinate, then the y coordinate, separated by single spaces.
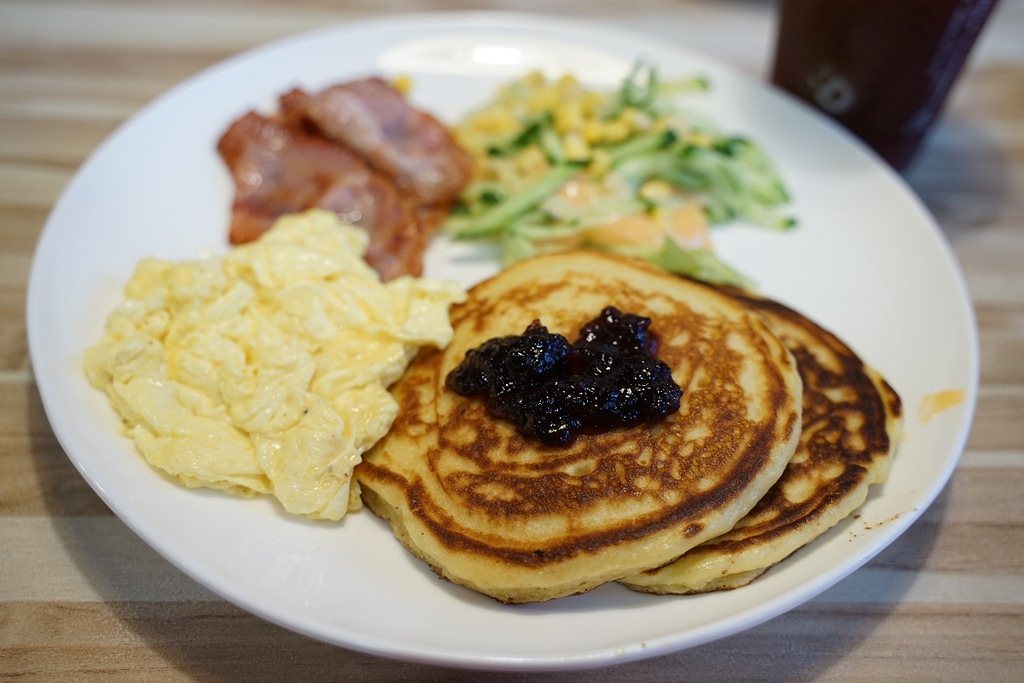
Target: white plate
pixel 867 262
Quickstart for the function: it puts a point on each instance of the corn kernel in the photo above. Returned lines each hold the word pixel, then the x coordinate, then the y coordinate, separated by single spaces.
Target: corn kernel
pixel 628 116
pixel 505 123
pixel 542 100
pixel 533 79
pixel 531 161
pixel 592 131
pixel 575 147
pixel 600 163
pixel 494 122
pixel 655 189
pixel 567 82
pixel 643 122
pixel 568 117
pixel 591 101
pixel 616 131
pixel 699 139
pixel 402 84
pixel 634 119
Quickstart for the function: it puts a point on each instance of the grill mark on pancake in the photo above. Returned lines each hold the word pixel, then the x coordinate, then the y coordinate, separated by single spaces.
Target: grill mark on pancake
pixel 481 312
pixel 410 413
pixel 673 482
pixel 827 438
pixel 892 399
pixel 446 530
pixel 827 442
pixel 381 474
pixel 614 475
pixel 818 407
pixel 791 517
pixel 557 492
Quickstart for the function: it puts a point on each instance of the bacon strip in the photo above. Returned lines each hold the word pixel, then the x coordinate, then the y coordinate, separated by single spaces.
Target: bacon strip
pixel 410 146
pixel 358 149
pixel 279 170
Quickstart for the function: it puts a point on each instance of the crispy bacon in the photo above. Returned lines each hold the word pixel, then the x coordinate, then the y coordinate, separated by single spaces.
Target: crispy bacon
pixel 279 170
pixel 410 146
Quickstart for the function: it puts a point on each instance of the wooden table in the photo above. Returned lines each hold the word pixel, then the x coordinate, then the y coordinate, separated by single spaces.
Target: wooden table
pixel 82 598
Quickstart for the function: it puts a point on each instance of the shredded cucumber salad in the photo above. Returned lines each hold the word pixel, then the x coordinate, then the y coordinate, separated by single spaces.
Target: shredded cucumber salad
pixel 560 166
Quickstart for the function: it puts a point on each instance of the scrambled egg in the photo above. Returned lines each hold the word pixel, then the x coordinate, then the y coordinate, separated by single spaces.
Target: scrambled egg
pixel 266 371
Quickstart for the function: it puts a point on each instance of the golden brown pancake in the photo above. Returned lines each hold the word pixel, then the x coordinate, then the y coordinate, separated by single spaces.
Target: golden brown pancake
pixel 851 421
pixel 507 516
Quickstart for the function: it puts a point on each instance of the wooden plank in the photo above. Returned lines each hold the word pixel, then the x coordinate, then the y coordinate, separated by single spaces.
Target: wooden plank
pixel 999 419
pixel 36 477
pixel 968 545
pixel 1001 338
pixel 216 641
pixel 150 71
pixel 14 270
pixel 33 186
pixel 88 559
pixel 20 228
pixel 50 142
pixel 82 598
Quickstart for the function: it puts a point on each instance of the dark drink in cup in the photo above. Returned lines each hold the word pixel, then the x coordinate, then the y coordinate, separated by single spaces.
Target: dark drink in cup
pixel 882 68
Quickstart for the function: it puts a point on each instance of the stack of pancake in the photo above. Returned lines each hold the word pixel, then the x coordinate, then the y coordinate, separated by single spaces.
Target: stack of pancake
pixel 780 432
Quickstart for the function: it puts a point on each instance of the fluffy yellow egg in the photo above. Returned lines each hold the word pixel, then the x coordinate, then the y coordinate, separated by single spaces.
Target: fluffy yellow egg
pixel 265 371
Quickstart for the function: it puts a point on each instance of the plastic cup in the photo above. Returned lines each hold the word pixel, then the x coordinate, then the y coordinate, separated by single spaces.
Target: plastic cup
pixel 882 68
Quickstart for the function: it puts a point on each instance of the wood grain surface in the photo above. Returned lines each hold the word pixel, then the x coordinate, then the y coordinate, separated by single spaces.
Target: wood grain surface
pixel 82 598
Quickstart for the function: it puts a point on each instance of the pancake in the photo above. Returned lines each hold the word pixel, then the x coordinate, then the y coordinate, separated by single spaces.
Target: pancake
pixel 851 422
pixel 512 518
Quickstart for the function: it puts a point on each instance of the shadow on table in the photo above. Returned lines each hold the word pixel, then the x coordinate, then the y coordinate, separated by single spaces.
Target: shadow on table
pixel 963 176
pixel 208 639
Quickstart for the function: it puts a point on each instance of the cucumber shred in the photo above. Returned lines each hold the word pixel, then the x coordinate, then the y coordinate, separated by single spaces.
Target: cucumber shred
pixel 557 161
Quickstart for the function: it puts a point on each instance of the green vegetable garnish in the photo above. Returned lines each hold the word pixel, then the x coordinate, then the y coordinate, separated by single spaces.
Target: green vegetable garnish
pixel 493 220
pixel 639 163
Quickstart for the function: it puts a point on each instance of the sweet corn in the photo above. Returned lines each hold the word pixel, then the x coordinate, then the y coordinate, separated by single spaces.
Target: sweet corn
pixel 616 131
pixel 495 122
pixel 575 147
pixel 568 117
pixel 533 79
pixel 531 161
pixel 542 100
pixel 568 82
pixel 593 131
pixel 402 84
pixel 655 189
pixel 699 139
pixel 591 102
pixel 661 125
pixel 636 120
pixel 600 163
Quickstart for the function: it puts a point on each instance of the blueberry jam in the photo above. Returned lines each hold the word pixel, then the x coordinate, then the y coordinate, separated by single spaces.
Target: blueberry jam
pixel 553 390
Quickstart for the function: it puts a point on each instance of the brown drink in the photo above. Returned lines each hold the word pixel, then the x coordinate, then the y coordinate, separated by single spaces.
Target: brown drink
pixel 882 68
